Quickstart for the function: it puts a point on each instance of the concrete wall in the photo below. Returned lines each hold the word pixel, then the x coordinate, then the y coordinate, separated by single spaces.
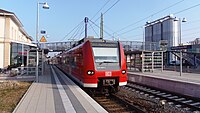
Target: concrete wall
pixel 7 29
pixel 2 35
pixel 14 31
pixel 1 55
pixel 191 89
pixel 2 24
pixel 7 54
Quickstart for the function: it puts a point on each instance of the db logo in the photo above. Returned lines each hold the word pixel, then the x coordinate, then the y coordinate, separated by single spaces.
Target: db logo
pixel 108 73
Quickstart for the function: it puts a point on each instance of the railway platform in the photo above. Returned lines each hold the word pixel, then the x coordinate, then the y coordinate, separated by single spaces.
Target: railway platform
pixel 187 83
pixel 56 93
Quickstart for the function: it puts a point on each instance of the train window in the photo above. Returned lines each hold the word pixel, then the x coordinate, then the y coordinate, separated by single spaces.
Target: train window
pixel 106 55
pixel 66 60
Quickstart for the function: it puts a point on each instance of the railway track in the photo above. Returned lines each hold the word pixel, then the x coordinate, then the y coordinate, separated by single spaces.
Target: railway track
pixel 123 103
pixel 188 104
pixel 114 103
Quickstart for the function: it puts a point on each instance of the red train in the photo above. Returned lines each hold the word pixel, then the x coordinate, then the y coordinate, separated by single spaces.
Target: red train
pixel 95 63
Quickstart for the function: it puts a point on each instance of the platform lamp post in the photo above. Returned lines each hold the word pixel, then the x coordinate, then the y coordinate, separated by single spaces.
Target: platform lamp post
pixel 45 6
pixel 181 53
pixel 143 36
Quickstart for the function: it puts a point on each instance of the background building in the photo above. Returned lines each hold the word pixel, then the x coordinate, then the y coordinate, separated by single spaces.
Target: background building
pixel 196 41
pixel 164 29
pixel 14 41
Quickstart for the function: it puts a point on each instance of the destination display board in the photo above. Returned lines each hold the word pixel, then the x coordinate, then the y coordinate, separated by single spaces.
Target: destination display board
pixel 104 44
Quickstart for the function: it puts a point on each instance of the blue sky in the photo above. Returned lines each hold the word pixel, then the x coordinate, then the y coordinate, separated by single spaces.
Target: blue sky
pixel 64 15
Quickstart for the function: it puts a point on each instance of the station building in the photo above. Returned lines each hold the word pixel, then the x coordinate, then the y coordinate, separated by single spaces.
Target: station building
pixel 14 41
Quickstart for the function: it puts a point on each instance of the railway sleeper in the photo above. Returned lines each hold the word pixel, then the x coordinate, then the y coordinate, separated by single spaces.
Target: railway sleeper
pixel 173 97
pixel 103 100
pixel 161 94
pixel 187 101
pixel 179 99
pixel 129 105
pixel 184 102
pixel 117 109
pixel 167 95
pixel 106 102
pixel 195 104
pixel 112 105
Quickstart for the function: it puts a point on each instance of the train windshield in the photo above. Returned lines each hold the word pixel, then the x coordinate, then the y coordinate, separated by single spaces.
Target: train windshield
pixel 106 55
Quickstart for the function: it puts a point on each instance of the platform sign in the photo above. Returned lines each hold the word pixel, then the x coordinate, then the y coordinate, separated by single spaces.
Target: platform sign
pixel 43 39
pixel 43 32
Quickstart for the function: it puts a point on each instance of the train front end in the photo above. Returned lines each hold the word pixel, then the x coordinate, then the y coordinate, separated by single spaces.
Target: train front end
pixel 106 68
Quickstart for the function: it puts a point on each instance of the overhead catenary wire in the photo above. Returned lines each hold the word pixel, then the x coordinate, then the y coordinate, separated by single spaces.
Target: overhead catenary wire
pixel 188 36
pixel 107 10
pixel 139 20
pixel 136 35
pixel 182 30
pixel 78 32
pixel 98 12
pixel 147 17
pixel 187 8
pixel 73 37
pixel 185 30
pixel 191 29
pixel 105 26
pixel 71 31
pixel 111 7
pixel 192 33
pixel 94 30
pixel 103 14
pixel 100 9
pixel 130 30
pixel 82 31
pixel 192 22
pixel 92 18
pixel 191 7
pixel 99 27
pixel 91 27
pixel 150 16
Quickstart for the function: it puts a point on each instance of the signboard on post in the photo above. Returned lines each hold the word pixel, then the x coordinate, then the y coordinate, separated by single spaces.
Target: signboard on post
pixel 43 39
pixel 43 32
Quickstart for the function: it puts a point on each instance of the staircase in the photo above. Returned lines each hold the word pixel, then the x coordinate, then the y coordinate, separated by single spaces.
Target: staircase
pixel 189 59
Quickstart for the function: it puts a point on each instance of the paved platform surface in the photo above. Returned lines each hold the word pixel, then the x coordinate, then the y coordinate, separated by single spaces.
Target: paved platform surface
pixel 172 75
pixel 56 93
pixel 187 83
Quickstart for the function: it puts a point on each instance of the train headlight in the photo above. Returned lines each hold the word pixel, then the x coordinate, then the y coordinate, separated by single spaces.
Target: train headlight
pixel 123 71
pixel 90 72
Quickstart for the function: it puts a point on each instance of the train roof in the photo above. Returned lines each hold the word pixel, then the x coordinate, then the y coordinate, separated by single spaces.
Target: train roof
pixel 93 40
